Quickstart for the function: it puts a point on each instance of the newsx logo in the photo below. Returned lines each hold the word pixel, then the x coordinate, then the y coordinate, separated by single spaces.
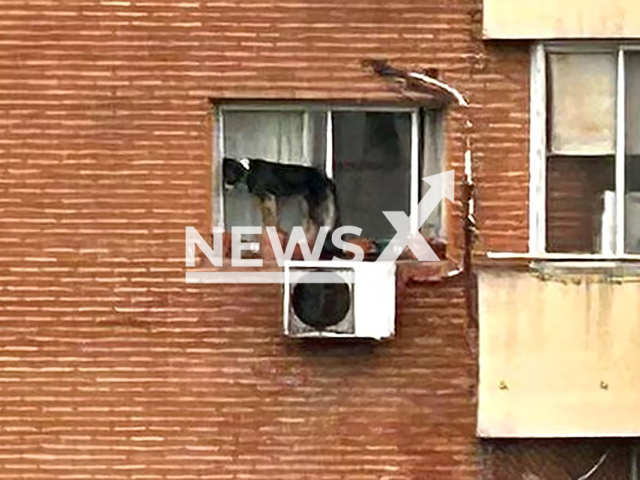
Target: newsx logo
pixel 442 186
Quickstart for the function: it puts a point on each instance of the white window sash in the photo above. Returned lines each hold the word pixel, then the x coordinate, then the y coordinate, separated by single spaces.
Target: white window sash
pixel 217 209
pixel 537 151
pixel 620 156
pixel 538 144
pixel 415 173
pixel 329 148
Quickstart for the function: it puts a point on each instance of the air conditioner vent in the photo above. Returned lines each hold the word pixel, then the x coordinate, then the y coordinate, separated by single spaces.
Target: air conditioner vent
pixel 350 300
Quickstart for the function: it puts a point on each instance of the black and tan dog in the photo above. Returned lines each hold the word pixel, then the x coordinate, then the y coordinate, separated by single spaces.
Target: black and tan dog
pixel 271 182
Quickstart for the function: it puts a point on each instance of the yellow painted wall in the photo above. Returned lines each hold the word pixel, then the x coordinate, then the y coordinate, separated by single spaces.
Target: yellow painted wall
pixel 558 358
pixel 561 19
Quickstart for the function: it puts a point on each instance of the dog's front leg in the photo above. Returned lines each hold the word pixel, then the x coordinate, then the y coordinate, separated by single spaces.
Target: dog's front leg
pixel 269 210
pixel 310 224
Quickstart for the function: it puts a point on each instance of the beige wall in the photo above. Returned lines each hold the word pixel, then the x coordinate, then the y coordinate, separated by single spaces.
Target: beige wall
pixel 561 19
pixel 558 357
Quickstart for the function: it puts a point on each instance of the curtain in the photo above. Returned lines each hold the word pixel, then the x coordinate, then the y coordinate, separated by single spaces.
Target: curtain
pixel 269 135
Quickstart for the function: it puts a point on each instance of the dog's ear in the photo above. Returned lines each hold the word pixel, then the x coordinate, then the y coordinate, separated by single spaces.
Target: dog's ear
pixel 228 163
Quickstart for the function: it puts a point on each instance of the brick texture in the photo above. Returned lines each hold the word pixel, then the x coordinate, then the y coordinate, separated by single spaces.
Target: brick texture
pixel 185 383
pixel 110 366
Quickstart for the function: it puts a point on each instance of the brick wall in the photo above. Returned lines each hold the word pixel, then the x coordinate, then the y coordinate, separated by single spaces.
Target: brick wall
pixel 184 383
pixel 110 366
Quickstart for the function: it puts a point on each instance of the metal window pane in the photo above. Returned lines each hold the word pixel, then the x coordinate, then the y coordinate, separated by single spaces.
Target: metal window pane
pixel 582 103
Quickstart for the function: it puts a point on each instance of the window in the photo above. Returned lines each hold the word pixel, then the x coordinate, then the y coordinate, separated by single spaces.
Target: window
pixel 585 149
pixel 376 157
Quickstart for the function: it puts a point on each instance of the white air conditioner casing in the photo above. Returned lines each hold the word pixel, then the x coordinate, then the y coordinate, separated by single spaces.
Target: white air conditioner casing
pixel 361 304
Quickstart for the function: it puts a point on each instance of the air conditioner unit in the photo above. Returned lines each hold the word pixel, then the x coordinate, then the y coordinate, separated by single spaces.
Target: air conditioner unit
pixel 330 299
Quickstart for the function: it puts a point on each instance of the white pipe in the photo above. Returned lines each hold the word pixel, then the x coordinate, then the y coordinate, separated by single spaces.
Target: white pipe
pixel 590 473
pixel 443 86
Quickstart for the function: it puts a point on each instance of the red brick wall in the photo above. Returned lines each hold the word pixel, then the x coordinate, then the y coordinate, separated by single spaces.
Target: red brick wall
pixel 110 366
pixel 186 382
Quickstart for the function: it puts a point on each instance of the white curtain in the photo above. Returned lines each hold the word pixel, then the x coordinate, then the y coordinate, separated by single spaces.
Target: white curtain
pixel 277 136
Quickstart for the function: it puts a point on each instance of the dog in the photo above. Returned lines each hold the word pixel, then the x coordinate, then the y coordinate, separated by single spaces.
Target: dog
pixel 271 181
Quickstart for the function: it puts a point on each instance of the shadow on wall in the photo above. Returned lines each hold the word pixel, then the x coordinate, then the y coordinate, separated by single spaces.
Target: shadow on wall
pixel 355 349
pixel 557 459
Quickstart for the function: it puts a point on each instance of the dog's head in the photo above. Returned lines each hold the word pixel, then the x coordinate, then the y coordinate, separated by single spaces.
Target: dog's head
pixel 234 171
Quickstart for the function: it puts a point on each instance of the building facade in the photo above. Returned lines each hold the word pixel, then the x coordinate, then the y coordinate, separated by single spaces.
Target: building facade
pixel 112 367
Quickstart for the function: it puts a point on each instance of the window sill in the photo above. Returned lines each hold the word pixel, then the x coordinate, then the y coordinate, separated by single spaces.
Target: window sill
pixel 265 252
pixel 272 265
pixel 569 261
pixel 563 256
pixel 408 271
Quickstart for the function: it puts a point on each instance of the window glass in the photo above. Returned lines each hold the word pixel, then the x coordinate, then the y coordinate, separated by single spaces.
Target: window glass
pixel 579 207
pixel 582 102
pixel 632 152
pixel 580 198
pixel 432 155
pixel 372 165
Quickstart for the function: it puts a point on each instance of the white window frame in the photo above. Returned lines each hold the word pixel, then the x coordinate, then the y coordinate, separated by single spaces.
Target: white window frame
pixel 538 145
pixel 305 108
